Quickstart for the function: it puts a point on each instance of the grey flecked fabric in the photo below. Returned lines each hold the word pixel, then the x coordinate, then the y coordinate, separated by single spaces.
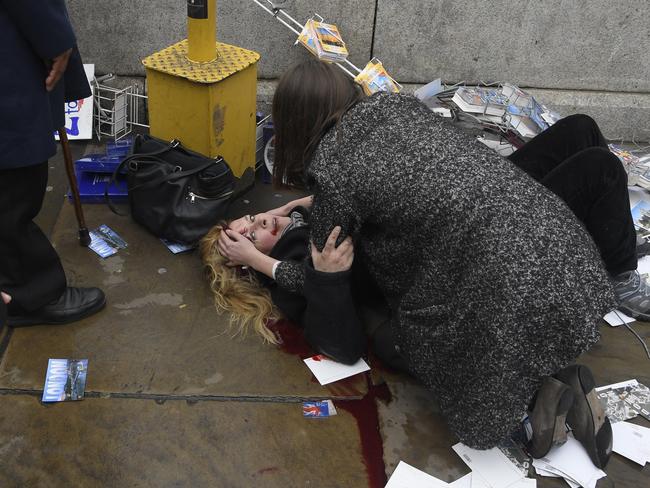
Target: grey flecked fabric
pixel 493 282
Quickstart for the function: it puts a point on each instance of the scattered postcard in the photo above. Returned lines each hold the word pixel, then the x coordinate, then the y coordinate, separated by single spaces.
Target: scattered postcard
pixel 105 241
pixel 639 399
pixel 322 409
pixel 65 380
pixel 111 237
pixel 177 247
pixel 571 462
pixel 616 318
pixel 492 465
pixel 625 400
pixel 406 476
pixel 328 371
pixel 632 441
pixel 102 248
pixel 516 455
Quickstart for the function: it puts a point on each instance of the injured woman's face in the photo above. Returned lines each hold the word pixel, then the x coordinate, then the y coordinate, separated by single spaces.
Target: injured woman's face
pixel 263 229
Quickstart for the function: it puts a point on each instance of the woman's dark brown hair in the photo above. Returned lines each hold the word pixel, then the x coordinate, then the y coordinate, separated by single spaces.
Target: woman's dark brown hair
pixel 311 97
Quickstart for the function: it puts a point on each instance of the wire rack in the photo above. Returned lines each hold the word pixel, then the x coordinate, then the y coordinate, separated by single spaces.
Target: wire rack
pixel 117 110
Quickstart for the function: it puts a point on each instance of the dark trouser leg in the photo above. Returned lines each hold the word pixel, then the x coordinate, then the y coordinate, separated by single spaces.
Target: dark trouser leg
pixel 552 147
pixel 593 184
pixel 30 269
pixel 571 158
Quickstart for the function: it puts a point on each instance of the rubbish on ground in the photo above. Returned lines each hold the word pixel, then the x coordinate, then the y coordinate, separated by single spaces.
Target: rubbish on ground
pixel 632 441
pixel 328 371
pixel 65 380
pixel 105 241
pixel 492 467
pixel 616 318
pixel 636 163
pixel 571 462
pixel 177 247
pixel 406 476
pixel 503 117
pixel 321 409
pixel 613 399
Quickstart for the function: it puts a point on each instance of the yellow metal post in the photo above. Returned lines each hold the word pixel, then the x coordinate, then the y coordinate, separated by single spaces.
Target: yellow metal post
pixel 201 30
pixel 203 92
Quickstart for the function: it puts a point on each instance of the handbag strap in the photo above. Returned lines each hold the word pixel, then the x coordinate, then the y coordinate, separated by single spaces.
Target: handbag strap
pixel 174 176
pixel 154 156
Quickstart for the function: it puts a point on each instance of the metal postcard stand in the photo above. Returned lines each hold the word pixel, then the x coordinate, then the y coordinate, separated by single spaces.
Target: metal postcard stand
pixel 116 109
pixel 279 13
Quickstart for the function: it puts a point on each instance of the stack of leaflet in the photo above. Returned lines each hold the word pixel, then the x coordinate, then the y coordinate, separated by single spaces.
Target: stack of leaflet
pixel 502 117
pixel 637 164
pixel 94 172
pixel 324 41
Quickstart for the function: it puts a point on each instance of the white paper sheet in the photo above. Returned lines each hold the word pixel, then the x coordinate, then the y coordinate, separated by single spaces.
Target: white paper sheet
pixel 616 318
pixel 632 441
pixel 327 371
pixel 622 384
pixel 491 465
pixel 406 476
pixel 573 462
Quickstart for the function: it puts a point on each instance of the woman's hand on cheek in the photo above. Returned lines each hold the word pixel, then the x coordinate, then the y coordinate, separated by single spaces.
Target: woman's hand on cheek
pixel 333 258
pixel 239 250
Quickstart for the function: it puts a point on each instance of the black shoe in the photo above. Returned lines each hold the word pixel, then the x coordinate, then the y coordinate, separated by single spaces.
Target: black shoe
pixel 587 417
pixel 548 417
pixel 75 304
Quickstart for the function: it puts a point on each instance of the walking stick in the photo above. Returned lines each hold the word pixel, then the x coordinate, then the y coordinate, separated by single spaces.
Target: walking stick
pixel 84 236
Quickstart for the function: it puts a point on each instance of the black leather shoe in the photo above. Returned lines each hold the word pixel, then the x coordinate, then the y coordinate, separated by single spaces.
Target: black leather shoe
pixel 548 418
pixel 75 304
pixel 587 416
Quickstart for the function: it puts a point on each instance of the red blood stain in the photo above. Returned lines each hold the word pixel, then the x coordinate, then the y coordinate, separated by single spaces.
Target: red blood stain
pixel 365 413
pixel 267 471
pixel 292 340
pixel 364 410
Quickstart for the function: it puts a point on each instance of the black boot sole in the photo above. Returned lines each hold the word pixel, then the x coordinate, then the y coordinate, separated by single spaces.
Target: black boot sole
pixel 29 321
pixel 586 414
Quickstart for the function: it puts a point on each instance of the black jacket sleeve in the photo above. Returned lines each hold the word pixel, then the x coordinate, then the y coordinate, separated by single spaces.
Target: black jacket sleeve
pixel 331 322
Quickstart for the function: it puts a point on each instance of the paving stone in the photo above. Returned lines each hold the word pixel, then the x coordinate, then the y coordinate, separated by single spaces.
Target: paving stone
pixel 159 334
pixel 139 443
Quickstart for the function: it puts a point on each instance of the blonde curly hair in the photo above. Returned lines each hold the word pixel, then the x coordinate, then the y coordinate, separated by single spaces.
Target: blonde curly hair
pixel 242 295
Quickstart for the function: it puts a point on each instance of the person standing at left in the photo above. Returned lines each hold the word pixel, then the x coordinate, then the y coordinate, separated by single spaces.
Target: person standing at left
pixel 40 69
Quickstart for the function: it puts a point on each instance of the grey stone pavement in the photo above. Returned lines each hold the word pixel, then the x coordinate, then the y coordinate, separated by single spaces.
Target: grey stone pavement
pixel 173 400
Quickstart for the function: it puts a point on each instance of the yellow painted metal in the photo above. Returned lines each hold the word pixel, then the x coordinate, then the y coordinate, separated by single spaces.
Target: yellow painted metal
pixel 201 34
pixel 209 107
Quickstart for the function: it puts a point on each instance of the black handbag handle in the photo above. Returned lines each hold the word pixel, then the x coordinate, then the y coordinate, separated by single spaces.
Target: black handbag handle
pixel 175 175
pixel 152 155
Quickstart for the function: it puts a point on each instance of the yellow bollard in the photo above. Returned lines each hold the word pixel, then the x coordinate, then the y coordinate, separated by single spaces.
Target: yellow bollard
pixel 204 92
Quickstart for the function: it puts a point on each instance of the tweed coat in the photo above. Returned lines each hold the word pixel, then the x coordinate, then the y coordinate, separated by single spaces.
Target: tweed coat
pixel 492 281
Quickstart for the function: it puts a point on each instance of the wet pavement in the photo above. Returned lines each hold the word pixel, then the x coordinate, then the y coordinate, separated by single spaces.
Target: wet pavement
pixel 172 399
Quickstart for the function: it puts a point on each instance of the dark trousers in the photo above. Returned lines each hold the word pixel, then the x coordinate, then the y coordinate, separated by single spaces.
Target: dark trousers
pixel 30 269
pixel 572 159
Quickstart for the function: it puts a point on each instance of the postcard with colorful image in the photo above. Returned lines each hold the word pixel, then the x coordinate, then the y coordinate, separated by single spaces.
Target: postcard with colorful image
pixel 318 409
pixel 65 380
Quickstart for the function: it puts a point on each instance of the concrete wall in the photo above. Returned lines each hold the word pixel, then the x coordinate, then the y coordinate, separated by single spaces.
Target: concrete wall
pixel 577 55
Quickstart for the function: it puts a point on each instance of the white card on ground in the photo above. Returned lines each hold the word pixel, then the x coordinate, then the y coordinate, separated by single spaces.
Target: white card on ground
pixel 632 441
pixel 406 476
pixel 573 462
pixel 622 384
pixel 491 465
pixel 616 318
pixel 328 371
pixel 643 265
pixel 464 482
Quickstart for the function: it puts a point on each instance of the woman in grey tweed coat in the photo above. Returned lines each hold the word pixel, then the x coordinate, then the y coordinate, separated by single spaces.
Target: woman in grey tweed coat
pixel 492 281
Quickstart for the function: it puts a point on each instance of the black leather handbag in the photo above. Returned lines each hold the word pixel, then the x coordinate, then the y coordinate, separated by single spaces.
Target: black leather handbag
pixel 175 193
